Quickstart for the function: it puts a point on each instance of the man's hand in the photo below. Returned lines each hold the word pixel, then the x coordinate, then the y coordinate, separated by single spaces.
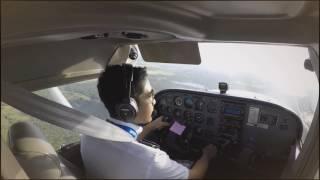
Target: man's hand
pixel 209 151
pixel 158 123
pixel 200 167
pixel 153 125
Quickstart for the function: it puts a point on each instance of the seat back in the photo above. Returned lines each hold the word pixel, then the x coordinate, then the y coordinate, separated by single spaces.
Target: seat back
pixel 10 167
pixel 36 156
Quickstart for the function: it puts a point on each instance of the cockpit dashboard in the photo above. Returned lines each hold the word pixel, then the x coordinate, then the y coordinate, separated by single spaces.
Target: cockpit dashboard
pixel 251 134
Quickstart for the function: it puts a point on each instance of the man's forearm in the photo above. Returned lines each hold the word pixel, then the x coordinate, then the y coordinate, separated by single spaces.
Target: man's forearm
pixel 146 130
pixel 199 169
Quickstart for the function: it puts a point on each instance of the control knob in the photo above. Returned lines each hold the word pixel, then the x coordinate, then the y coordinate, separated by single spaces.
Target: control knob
pixel 198 117
pixel 169 110
pixel 198 131
pixel 199 105
pixel 188 115
pixel 177 113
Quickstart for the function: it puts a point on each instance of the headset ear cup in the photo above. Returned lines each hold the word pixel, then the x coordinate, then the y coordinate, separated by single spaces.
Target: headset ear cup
pixel 134 105
pixel 127 111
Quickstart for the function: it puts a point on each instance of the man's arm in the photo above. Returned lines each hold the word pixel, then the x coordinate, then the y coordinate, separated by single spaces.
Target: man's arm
pixel 200 168
pixel 146 130
pixel 153 125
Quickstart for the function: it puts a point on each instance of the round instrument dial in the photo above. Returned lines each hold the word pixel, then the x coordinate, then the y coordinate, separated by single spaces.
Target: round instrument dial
pixel 188 102
pixel 163 101
pixel 178 101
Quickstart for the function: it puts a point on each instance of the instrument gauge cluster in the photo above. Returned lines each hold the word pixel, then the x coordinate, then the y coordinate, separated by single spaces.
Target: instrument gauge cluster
pixel 231 123
pixel 208 115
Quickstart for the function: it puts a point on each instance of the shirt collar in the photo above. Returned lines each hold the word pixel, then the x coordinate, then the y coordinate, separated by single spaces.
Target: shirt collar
pixel 135 127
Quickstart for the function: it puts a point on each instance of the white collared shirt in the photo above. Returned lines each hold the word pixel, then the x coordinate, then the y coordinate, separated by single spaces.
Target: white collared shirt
pixel 128 160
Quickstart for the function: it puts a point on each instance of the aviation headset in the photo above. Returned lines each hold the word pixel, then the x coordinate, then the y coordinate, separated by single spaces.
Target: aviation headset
pixel 127 109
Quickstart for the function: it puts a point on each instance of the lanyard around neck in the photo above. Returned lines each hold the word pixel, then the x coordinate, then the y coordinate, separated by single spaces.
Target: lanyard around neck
pixel 129 130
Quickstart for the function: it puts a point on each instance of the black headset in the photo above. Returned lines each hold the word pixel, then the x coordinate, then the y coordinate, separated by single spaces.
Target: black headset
pixel 128 108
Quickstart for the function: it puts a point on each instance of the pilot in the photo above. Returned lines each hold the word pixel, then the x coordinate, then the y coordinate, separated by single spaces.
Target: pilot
pixel 126 160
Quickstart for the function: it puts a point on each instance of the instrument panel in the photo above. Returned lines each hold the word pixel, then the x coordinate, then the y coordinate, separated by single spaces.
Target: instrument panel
pixel 235 125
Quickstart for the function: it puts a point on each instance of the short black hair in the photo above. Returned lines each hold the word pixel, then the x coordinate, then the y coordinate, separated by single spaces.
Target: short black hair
pixel 112 87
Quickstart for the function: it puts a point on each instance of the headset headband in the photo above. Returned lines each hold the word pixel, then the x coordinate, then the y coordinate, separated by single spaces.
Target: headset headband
pixel 128 77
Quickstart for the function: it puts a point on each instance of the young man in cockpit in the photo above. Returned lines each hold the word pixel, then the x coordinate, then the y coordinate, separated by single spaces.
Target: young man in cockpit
pixel 124 160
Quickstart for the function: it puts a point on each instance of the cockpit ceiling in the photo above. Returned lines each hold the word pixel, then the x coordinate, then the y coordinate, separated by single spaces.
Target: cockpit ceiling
pixel 287 21
pixel 46 43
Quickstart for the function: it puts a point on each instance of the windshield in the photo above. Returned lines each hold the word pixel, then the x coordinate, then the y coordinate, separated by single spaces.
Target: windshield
pixel 273 73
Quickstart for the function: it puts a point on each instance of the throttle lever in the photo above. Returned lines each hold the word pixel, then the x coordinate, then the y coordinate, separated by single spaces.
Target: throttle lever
pixel 221 145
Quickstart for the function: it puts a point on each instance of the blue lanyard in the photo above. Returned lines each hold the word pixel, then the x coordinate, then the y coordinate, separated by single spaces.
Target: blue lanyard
pixel 129 130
